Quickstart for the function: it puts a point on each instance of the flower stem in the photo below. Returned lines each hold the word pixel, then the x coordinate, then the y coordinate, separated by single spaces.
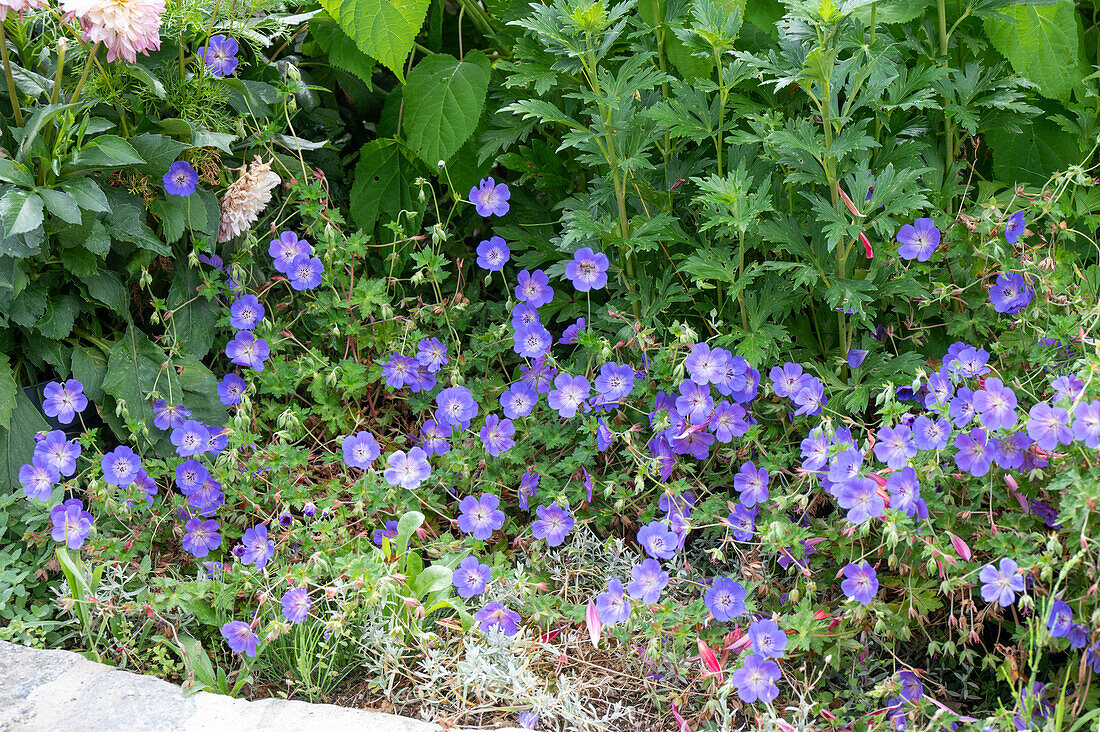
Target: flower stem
pixel 11 82
pixel 87 70
pixel 62 46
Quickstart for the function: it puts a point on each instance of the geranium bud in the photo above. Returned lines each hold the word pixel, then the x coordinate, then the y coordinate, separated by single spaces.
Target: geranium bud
pixel 866 246
pixel 848 203
pixel 681 723
pixel 961 547
pixel 592 620
pixel 710 661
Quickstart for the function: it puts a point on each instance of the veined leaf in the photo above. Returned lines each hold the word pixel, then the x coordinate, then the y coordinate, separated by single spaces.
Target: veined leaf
pixel 1041 43
pixel 382 29
pixel 444 98
pixel 20 211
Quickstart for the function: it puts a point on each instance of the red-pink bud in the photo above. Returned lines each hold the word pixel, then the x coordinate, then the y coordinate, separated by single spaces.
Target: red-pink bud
pixel 595 627
pixel 961 547
pixel 848 202
pixel 866 246
pixel 710 661
pixel 681 724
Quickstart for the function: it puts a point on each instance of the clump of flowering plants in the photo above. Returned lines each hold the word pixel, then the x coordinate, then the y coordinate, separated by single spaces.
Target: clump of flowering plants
pixel 766 538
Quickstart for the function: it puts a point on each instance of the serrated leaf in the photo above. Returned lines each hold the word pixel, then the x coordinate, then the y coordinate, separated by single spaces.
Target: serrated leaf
pixel 109 290
pixel 444 98
pixel 7 391
pixel 135 366
pixel 126 222
pixel 57 321
pixel 341 49
pixel 171 211
pixel 158 152
pixel 87 193
pixel 89 366
pixel 1041 43
pixel 20 211
pixel 382 184
pixel 61 205
pixel 193 316
pixel 382 29
pixel 13 172
pixel 97 241
pixel 1031 157
pixel 108 151
pixel 17 440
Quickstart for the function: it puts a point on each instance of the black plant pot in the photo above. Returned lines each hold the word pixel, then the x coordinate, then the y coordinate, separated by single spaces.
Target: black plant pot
pixel 87 419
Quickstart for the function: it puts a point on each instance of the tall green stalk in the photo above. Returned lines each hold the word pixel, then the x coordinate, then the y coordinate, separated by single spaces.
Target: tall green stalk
pixel 11 81
pixel 948 125
pixel 617 179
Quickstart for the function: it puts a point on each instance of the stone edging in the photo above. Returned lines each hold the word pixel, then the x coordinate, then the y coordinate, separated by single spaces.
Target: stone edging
pixel 47 691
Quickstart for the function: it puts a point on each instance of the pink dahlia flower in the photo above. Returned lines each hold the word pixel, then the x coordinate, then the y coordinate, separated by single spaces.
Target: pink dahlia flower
pixel 126 27
pixel 19 6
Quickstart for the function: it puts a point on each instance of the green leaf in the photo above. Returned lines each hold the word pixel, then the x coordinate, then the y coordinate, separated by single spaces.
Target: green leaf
pixel 1031 157
pixel 444 98
pixel 219 140
pixel 57 321
pixel 172 212
pixel 894 11
pixel 341 49
pixel 7 391
pixel 34 126
pixel 20 247
pixel 108 151
pixel 138 371
pixel 200 391
pixel 204 213
pixel 13 172
pixel 87 193
pixel 146 77
pixel 406 525
pixel 382 29
pixel 20 211
pixel 135 367
pixel 28 306
pixel 17 440
pixel 432 579
pixel 79 261
pixel 89 366
pixel 98 240
pixel 382 185
pixel 109 290
pixel 158 152
pixel 13 277
pixel 193 316
pixel 126 222
pixel 61 205
pixel 1042 44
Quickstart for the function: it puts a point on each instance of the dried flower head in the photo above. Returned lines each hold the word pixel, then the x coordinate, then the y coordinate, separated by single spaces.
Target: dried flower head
pixel 246 198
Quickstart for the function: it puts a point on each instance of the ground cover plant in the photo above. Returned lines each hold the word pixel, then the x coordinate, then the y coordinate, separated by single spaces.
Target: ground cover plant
pixel 704 365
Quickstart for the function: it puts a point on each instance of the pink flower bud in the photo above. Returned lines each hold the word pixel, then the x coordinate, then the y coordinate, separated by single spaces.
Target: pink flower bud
pixel 961 547
pixel 710 661
pixel 595 627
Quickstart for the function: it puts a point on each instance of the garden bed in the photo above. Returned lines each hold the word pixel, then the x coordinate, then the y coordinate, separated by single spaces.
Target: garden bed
pixel 574 365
